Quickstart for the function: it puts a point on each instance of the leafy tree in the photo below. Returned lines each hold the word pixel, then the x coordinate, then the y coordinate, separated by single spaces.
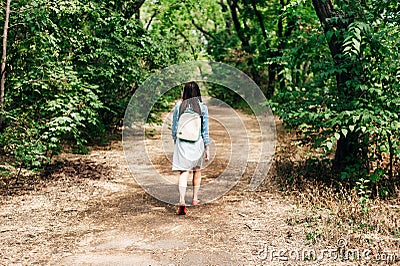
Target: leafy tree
pixel 351 101
pixel 72 67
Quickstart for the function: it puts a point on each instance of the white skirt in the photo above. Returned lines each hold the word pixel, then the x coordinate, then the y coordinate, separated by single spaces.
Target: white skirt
pixel 187 155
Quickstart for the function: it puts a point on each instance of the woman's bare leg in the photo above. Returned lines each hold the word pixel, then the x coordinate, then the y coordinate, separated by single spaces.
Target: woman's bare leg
pixel 182 186
pixel 196 183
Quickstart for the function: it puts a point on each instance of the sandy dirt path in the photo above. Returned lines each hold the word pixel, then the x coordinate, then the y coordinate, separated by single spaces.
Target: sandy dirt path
pixel 92 212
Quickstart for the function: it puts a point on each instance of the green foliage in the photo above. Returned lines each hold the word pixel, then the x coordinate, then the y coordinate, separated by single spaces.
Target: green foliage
pixel 363 190
pixel 187 24
pixel 164 104
pixel 113 51
pixel 364 108
pixel 72 68
pixel 292 46
pixel 58 111
pixel 228 96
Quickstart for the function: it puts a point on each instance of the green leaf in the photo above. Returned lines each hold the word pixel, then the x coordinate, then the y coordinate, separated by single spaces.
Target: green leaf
pixel 357 45
pixel 357 33
pixel 329 145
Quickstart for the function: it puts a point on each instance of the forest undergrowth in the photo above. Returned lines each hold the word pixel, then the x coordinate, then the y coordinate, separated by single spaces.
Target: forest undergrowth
pixel 335 209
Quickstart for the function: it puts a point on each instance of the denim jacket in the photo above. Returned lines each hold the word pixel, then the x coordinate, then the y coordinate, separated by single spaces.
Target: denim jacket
pixel 204 129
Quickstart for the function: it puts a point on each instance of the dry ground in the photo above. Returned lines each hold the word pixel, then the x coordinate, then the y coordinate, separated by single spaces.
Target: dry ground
pixel 90 211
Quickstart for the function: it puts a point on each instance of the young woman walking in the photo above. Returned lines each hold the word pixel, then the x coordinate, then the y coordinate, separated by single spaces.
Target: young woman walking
pixel 188 155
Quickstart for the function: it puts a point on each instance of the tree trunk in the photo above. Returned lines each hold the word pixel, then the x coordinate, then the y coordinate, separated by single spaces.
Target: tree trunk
pixel 129 9
pixel 260 22
pixel 275 68
pixel 281 44
pixel 136 7
pixel 283 36
pixel 245 40
pixel 347 150
pixel 228 21
pixel 3 61
pixel 260 19
pixel 233 4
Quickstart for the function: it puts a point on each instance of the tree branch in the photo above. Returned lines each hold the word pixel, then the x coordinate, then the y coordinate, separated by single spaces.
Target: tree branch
pixel 233 7
pixel 151 19
pixel 260 22
pixel 188 41
pixel 17 24
pixel 228 22
pixel 21 9
pixel 202 30
pixel 136 6
pixel 198 27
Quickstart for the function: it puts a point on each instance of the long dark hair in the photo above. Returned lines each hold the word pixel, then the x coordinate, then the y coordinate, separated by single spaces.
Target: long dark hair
pixel 191 97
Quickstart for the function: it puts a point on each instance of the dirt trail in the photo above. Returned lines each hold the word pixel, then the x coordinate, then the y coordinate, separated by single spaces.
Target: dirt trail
pixel 80 219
